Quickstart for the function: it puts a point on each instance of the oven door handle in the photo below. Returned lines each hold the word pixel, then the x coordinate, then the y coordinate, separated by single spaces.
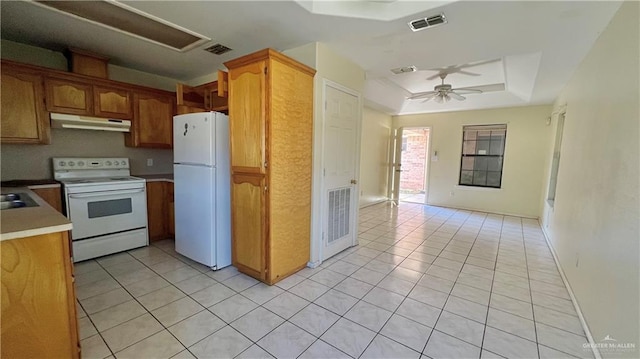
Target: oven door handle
pixel 110 193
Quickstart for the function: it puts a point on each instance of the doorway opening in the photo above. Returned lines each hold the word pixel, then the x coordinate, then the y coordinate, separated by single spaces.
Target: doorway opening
pixel 414 159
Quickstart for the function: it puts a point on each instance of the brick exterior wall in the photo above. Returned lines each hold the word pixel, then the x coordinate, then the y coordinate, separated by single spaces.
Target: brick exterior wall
pixel 412 178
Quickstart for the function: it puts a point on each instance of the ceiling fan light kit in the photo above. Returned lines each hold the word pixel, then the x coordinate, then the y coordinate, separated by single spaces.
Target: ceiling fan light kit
pixel 444 92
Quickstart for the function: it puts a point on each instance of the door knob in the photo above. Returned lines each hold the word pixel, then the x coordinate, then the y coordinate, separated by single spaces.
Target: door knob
pixel 354 181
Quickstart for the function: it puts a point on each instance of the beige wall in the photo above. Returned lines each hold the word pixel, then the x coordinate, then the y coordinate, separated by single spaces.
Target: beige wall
pixel 374 156
pixel 56 60
pixel 525 152
pixel 593 226
pixel 333 67
pixel 34 161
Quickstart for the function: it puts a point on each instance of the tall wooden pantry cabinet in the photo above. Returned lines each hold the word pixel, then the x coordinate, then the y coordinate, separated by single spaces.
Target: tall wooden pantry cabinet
pixel 270 125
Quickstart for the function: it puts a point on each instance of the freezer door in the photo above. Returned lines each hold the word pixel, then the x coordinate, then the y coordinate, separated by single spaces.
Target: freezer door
pixel 194 139
pixel 195 217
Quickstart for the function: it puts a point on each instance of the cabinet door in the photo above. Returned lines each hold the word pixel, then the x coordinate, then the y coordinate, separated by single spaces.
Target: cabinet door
pixel 171 228
pixel 113 103
pixel 247 113
pixel 153 120
pixel 156 211
pixel 71 97
pixel 50 195
pixel 38 299
pixel 24 119
pixel 248 224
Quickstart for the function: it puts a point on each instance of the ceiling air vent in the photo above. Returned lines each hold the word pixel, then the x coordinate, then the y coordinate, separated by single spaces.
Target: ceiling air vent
pixel 401 70
pixel 217 49
pixel 431 21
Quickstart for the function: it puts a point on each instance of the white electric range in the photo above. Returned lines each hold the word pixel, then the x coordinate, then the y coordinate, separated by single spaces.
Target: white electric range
pixel 107 206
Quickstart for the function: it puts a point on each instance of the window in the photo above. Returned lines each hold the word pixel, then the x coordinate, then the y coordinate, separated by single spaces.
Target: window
pixel 482 155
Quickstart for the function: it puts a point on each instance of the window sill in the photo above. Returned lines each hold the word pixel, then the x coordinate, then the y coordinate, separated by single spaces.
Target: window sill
pixel 473 188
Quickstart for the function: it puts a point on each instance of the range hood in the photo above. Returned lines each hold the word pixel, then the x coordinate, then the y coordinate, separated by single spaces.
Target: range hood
pixel 59 120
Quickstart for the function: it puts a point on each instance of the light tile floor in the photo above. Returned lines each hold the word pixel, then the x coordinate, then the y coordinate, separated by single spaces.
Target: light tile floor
pixel 425 282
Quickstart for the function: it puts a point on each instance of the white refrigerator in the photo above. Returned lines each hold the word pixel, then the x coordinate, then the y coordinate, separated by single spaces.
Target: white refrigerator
pixel 201 173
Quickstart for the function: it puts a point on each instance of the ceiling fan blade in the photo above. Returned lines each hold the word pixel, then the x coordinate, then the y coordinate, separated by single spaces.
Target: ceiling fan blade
pixel 463 72
pixel 428 94
pixel 466 91
pixel 456 96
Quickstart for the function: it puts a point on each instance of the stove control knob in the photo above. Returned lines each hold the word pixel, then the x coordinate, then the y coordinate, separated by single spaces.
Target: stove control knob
pixel 62 163
pixel 81 163
pixel 124 163
pixel 71 163
pixel 108 163
pixel 116 163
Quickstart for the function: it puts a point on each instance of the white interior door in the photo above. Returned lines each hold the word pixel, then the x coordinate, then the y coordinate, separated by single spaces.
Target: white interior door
pixel 342 118
pixel 396 168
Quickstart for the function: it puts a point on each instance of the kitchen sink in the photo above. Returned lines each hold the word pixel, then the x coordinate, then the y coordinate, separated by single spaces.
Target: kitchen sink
pixel 16 200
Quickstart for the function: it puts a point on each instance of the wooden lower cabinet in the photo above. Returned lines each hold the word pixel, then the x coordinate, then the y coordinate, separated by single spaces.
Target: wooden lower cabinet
pixel 160 210
pixel 51 195
pixel 249 219
pixel 171 223
pixel 38 298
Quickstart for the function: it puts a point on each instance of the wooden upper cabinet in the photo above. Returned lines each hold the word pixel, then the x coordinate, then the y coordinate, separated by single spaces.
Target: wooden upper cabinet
pixel 247 127
pixel 112 103
pixel 24 117
pixel 152 124
pixel 211 96
pixel 66 96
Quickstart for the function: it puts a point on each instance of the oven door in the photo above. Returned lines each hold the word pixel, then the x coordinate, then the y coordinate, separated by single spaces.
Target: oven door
pixel 104 212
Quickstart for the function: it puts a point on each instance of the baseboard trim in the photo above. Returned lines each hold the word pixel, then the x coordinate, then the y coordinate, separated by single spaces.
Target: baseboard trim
pixel 373 203
pixel 483 211
pixel 583 322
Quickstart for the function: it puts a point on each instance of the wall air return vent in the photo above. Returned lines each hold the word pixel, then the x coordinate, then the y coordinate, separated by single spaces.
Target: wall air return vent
pixel 431 21
pixel 217 49
pixel 126 19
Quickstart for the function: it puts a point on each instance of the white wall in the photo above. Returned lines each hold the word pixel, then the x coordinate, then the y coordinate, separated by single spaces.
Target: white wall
pixel 525 152
pixel 593 226
pixel 374 156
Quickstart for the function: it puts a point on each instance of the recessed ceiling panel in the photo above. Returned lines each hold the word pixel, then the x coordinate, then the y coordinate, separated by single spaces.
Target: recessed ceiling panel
pixel 123 18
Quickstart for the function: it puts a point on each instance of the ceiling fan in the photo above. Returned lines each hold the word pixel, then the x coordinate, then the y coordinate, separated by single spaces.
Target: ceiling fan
pixel 444 92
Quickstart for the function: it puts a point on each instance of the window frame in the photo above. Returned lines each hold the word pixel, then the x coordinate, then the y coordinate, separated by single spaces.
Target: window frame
pixel 475 155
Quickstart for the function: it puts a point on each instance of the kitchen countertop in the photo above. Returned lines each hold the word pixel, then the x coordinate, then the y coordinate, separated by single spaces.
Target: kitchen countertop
pixel 41 183
pixel 157 178
pixel 30 221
